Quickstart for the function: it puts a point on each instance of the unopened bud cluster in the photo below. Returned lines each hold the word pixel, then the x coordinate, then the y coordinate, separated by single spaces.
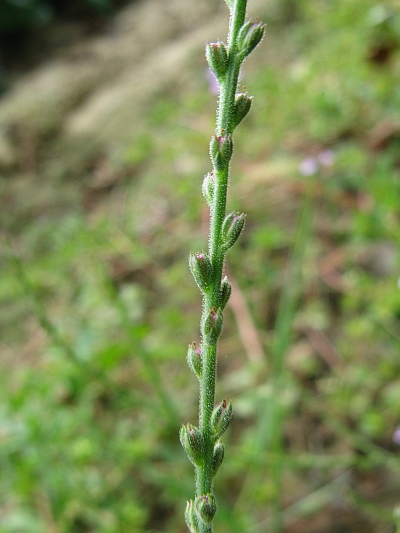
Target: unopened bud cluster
pixel 201 511
pixel 193 442
pixel 203 443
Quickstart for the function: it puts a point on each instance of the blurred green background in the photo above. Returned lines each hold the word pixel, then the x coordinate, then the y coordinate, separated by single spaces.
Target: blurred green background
pixel 105 120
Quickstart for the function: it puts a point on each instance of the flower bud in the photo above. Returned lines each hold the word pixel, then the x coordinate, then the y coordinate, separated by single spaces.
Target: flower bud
pixel 206 507
pixel 212 325
pixel 218 456
pixel 192 442
pixel 208 187
pixel 200 267
pixel 244 30
pixel 242 106
pixel 220 418
pixel 221 148
pixel 217 59
pixel 225 293
pixel 232 227
pixel 250 34
pixel 194 359
pixel 192 518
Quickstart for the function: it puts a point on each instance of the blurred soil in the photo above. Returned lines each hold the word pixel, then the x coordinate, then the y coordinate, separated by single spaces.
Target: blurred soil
pixel 91 90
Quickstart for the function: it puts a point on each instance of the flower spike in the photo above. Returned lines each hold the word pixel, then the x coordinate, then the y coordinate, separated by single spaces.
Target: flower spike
pixel 203 443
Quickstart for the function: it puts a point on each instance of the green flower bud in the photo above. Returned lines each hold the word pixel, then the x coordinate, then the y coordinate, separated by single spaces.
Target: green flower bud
pixel 220 418
pixel 200 267
pixel 194 359
pixel 192 442
pixel 217 59
pixel 218 456
pixel 242 106
pixel 232 227
pixel 249 36
pixel 206 507
pixel 212 325
pixel 225 293
pixel 221 148
pixel 208 187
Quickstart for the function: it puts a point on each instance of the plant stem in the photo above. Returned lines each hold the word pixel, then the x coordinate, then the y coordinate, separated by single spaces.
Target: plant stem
pixel 216 254
pixel 202 444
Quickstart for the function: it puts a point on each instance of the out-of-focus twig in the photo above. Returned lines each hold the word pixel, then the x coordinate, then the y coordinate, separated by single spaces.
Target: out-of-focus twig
pixel 247 329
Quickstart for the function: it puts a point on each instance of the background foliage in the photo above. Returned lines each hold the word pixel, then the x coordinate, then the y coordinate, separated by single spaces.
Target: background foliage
pixel 98 305
pixel 18 14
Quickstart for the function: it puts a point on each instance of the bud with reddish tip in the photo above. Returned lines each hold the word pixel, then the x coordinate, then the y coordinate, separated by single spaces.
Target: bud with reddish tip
pixel 242 106
pixel 217 59
pixel 221 148
pixel 232 227
pixel 249 37
pixel 200 267
pixel 220 418
pixel 212 325
pixel 206 507
pixel 192 442
pixel 195 360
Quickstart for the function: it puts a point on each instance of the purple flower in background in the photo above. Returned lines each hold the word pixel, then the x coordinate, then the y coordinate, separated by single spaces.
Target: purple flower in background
pixel 213 85
pixel 308 166
pixel 396 436
pixel 326 158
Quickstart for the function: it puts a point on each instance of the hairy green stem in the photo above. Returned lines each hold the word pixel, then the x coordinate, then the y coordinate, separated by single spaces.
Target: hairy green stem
pixel 217 215
pixel 203 444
